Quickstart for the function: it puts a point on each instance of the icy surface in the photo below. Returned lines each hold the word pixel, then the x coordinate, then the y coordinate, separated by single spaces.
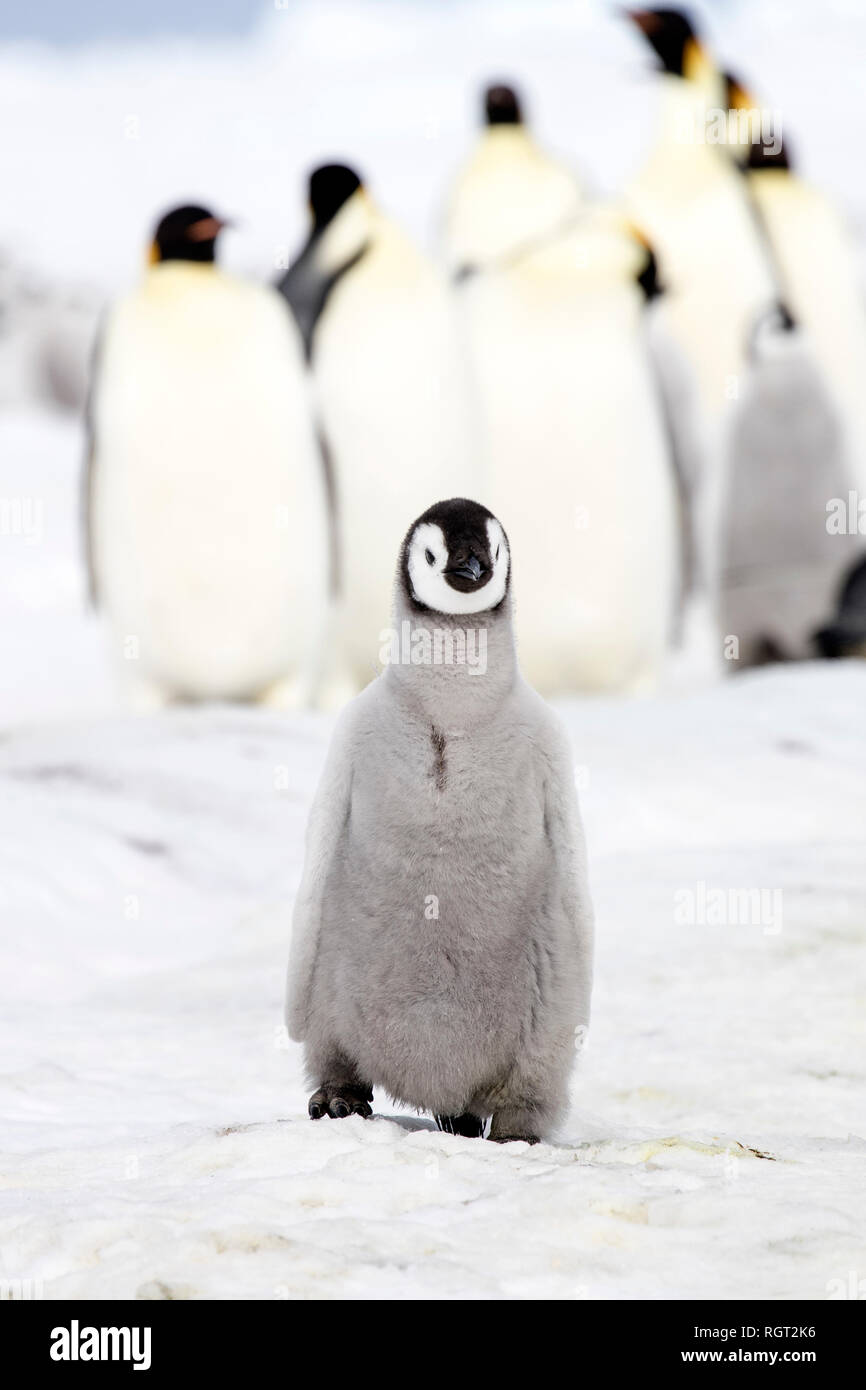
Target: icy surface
pixel 154 1136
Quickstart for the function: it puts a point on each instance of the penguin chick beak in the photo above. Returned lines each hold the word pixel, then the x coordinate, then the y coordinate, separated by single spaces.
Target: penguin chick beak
pixel 470 569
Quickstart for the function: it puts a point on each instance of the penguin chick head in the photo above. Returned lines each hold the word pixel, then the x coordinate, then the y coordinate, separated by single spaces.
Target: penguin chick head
pixel 672 37
pixel 331 186
pixel 455 559
pixel 502 105
pixel 186 234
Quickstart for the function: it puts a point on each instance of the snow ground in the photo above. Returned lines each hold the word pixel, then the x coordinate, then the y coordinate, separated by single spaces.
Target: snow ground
pixel 154 1135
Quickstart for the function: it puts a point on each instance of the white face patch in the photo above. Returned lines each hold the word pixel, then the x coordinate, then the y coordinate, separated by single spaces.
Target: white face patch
pixel 428 559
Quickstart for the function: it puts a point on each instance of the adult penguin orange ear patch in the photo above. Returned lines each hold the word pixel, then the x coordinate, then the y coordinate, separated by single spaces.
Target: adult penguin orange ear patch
pixel 206 229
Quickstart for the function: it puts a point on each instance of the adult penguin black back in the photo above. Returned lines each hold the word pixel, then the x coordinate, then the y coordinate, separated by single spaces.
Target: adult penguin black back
pixel 314 272
pixel 391 394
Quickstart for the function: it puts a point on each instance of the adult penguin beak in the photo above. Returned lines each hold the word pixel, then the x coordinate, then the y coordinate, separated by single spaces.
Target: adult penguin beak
pixel 645 20
pixel 208 228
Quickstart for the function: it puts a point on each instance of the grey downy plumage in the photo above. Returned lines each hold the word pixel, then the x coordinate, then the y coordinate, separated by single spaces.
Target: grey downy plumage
pixel 442 937
pixel 781 564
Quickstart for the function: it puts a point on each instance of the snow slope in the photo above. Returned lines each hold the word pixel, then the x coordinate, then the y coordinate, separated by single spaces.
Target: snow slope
pixel 154 1136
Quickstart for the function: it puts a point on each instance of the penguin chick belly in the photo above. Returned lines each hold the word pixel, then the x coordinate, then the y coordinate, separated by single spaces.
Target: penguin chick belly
pixel 430 977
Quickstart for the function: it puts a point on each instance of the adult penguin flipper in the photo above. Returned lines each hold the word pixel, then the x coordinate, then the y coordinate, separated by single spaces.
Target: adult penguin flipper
pixel 87 476
pixel 328 819
pixel 688 451
pixel 306 288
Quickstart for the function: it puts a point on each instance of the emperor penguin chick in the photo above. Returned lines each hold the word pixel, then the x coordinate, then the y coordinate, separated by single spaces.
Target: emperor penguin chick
pixel 442 937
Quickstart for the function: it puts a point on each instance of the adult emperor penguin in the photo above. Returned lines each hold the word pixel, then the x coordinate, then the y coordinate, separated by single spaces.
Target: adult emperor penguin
pixel 442 936
pixel 578 455
pixel 390 387
pixel 205 512
pixel 690 202
pixel 510 193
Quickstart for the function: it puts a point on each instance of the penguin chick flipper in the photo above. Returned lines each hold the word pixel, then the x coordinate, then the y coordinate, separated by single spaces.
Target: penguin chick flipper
pixel 338 1102
pixel 327 824
pixel 532 1097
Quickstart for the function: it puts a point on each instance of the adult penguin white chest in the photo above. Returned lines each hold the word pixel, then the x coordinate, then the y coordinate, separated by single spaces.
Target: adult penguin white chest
pixel 689 200
pixel 578 458
pixel 510 192
pixel 442 935
pixel 391 392
pixel 205 507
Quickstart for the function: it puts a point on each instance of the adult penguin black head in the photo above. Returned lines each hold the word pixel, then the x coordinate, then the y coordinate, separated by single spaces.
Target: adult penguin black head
pixel 331 186
pixel 312 275
pixel 455 559
pixel 502 105
pixel 671 35
pixel 187 233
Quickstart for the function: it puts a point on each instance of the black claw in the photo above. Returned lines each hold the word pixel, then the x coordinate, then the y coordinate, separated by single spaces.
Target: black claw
pixel 514 1138
pixel 349 1100
pixel 469 1126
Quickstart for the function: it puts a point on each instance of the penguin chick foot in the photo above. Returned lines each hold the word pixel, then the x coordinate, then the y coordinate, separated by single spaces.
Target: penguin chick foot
pixel 518 1122
pixel 337 1102
pixel 469 1126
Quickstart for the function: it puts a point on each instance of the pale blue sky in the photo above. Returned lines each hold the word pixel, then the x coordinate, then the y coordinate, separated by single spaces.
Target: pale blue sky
pixel 62 22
